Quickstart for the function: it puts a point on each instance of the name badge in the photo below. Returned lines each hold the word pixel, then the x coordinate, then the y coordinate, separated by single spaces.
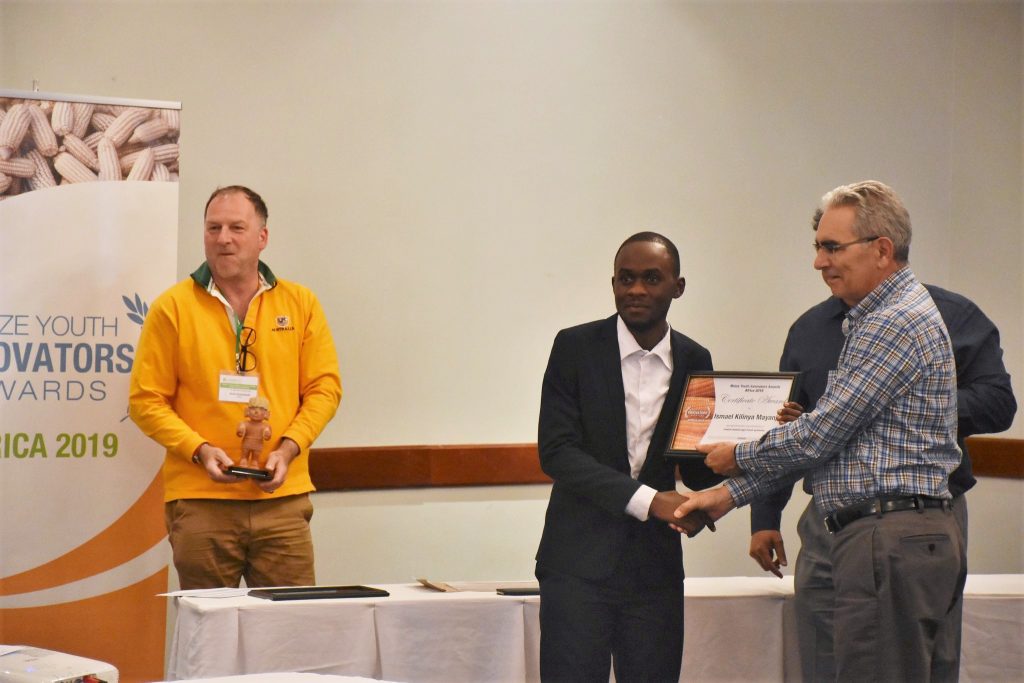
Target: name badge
pixel 235 388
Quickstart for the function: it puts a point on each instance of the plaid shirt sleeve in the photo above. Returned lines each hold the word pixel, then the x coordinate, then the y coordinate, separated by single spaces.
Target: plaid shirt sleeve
pixel 886 424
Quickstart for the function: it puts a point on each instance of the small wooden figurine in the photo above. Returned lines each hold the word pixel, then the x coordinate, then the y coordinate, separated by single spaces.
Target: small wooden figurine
pixel 254 430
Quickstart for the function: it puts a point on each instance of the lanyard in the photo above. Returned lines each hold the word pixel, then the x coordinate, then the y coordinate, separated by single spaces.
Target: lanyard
pixel 239 325
pixel 238 338
pixel 242 353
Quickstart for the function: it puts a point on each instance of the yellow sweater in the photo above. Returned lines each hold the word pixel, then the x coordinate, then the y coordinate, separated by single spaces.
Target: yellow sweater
pixel 187 340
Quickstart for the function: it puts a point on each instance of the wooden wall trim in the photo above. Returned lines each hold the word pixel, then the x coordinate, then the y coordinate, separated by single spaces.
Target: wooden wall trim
pixel 387 467
pixel 996 457
pixel 393 467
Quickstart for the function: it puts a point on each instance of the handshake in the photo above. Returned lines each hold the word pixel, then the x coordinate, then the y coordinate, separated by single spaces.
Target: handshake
pixel 690 514
pixel 664 507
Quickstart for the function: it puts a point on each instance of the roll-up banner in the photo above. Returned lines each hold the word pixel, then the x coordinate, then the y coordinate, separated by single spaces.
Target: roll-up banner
pixel 88 236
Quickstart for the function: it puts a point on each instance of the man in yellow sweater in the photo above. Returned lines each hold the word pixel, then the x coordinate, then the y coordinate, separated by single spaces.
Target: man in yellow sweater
pixel 228 333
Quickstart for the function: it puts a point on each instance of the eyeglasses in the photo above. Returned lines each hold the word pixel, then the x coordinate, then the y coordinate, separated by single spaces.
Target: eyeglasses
pixel 245 360
pixel 832 248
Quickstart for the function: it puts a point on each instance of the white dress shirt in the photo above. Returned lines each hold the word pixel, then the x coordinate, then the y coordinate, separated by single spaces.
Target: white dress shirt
pixel 645 379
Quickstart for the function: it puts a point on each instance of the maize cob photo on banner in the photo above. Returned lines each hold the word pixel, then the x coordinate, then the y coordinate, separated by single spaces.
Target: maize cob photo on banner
pixel 45 143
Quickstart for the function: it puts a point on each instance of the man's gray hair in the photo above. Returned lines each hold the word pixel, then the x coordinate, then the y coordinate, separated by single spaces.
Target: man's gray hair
pixel 879 213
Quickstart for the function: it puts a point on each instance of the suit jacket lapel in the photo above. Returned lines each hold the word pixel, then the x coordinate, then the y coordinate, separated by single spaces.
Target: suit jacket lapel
pixel 611 373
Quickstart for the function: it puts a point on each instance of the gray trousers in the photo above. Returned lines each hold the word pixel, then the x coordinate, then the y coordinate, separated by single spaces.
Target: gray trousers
pixel 815 598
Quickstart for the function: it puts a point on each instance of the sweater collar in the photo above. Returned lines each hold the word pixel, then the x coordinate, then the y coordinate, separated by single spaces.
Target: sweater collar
pixel 203 276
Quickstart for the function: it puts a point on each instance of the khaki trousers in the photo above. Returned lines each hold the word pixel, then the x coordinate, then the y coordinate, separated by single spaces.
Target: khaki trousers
pixel 216 543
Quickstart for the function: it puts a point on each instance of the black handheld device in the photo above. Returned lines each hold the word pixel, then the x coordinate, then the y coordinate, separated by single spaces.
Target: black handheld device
pixel 263 475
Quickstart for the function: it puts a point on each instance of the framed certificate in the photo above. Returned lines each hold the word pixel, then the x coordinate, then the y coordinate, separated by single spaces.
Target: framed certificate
pixel 728 406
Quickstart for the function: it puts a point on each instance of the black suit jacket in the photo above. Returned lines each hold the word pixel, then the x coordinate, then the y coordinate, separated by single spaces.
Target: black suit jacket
pixel 582 444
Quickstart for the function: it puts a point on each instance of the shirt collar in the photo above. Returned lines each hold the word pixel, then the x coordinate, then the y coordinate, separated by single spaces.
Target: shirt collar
pixel 878 296
pixel 211 287
pixel 264 286
pixel 628 344
pixel 203 276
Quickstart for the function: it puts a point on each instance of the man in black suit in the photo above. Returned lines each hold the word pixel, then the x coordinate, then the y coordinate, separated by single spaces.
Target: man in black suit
pixel 610 569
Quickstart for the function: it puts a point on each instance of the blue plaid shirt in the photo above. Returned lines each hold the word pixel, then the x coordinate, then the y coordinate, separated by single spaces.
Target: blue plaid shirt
pixel 886 424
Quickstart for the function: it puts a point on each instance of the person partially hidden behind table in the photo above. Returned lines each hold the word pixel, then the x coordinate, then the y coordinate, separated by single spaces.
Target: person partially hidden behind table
pixel 985 403
pixel 879 448
pixel 209 344
pixel 609 567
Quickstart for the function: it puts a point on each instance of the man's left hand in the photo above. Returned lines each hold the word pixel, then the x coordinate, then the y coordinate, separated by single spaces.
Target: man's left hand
pixel 721 458
pixel 278 462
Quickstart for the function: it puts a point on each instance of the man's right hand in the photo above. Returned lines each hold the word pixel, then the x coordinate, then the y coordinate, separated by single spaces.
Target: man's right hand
pixel 715 503
pixel 664 506
pixel 214 460
pixel 768 550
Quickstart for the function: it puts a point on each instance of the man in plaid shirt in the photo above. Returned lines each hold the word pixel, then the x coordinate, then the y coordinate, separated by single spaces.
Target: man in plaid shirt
pixel 878 448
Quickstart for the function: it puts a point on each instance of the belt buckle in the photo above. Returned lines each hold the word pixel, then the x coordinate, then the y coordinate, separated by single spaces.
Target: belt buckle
pixel 831 524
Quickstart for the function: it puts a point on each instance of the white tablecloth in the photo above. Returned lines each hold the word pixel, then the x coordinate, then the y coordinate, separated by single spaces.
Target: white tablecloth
pixel 737 629
pixel 285 677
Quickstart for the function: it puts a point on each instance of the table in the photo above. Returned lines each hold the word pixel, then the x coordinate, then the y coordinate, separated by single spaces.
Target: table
pixel 419 635
pixel 993 629
pixel 289 677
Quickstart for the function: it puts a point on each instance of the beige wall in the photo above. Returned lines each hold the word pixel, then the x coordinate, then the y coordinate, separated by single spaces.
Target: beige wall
pixel 453 178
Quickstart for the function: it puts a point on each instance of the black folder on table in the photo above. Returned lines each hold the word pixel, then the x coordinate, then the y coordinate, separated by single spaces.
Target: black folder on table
pixel 518 590
pixel 318 592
